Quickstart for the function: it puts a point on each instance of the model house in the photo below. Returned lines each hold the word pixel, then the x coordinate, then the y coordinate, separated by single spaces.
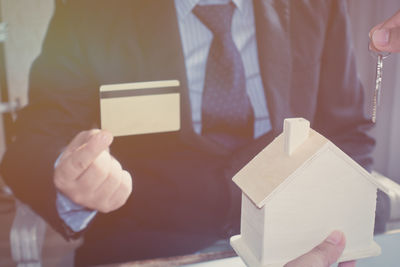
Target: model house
pixel 295 192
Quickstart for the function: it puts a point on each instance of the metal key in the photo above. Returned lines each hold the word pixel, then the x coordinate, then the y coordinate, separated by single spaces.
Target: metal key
pixel 378 84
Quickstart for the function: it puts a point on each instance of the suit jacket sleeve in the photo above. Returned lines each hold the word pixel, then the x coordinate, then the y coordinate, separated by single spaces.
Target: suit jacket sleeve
pixel 62 102
pixel 340 111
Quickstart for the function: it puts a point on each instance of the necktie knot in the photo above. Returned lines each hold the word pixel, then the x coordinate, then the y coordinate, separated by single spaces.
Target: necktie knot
pixel 217 18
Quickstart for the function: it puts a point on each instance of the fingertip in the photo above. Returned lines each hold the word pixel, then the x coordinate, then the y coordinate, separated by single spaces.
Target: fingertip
pixel 347 264
pixel 107 132
pixel 128 179
pixel 371 47
pixel 370 33
pixel 105 137
pixel 380 37
pixel 344 240
pixel 335 238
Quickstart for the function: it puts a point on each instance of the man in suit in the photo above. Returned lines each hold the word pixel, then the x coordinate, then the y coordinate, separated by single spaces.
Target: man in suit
pixel 293 58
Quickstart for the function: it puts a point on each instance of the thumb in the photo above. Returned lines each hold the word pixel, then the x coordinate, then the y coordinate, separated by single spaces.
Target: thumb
pixel 323 255
pixel 387 39
pixel 347 264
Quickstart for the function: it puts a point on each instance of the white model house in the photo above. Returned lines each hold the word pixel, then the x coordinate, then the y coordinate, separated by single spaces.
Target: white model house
pixel 295 192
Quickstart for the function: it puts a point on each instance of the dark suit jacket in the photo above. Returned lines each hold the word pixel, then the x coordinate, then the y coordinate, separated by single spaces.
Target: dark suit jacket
pixel 183 198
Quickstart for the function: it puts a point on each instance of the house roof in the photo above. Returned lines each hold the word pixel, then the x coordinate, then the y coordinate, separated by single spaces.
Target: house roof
pixel 272 167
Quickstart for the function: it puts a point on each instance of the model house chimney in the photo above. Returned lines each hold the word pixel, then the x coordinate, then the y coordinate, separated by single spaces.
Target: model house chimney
pixel 296 131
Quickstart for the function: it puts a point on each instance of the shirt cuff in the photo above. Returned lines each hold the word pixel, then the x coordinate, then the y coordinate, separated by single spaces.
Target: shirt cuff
pixel 74 215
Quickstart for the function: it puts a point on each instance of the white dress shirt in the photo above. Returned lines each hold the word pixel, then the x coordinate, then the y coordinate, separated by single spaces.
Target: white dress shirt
pixel 196 42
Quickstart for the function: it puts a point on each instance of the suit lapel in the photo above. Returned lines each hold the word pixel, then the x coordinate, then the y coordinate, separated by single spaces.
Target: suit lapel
pixel 160 44
pixel 274 51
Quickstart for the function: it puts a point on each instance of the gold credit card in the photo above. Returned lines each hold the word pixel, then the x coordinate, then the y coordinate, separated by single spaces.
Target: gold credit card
pixel 140 108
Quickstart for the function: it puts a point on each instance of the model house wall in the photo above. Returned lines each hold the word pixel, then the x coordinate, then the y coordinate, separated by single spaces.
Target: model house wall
pixel 252 226
pixel 316 202
pixel 297 191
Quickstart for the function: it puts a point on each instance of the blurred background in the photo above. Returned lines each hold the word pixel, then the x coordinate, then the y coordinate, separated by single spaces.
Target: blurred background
pixel 26 26
pixel 27 22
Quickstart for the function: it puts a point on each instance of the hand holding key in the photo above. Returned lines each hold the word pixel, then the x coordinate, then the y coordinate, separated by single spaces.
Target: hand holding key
pixel 90 176
pixel 385 36
pixel 384 39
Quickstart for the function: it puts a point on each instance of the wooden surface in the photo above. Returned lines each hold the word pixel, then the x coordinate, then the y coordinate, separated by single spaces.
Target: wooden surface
pixel 390 257
pixel 390 243
pixel 179 260
pixel 56 250
pixel 309 188
pixel 252 178
pixel 296 131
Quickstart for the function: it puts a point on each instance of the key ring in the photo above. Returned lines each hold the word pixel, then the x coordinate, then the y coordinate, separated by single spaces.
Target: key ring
pixel 379 53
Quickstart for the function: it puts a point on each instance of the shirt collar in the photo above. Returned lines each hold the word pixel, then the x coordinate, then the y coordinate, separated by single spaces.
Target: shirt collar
pixel 184 7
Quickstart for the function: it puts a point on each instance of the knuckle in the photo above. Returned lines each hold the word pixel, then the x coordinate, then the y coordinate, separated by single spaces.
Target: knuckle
pixel 106 207
pixel 123 195
pixel 87 133
pixel 99 170
pixel 81 134
pixel 120 203
pixel 127 189
pixel 85 185
pixel 126 176
pixel 77 164
pixel 92 201
pixel 92 132
pixel 117 202
pixel 78 199
pixel 60 171
pixel 125 198
pixel 116 179
pixel 59 182
pixel 116 164
pixel 130 181
pixel 319 257
pixel 101 208
pixel 81 197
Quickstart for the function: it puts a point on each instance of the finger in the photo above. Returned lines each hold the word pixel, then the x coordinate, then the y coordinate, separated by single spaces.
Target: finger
pixel 113 174
pixel 387 39
pixel 80 139
pixel 393 21
pixel 106 190
pixel 116 163
pixel 324 254
pixel 331 249
pixel 347 264
pixel 96 173
pixel 371 43
pixel 385 36
pixel 121 195
pixel 79 160
pixel 374 29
